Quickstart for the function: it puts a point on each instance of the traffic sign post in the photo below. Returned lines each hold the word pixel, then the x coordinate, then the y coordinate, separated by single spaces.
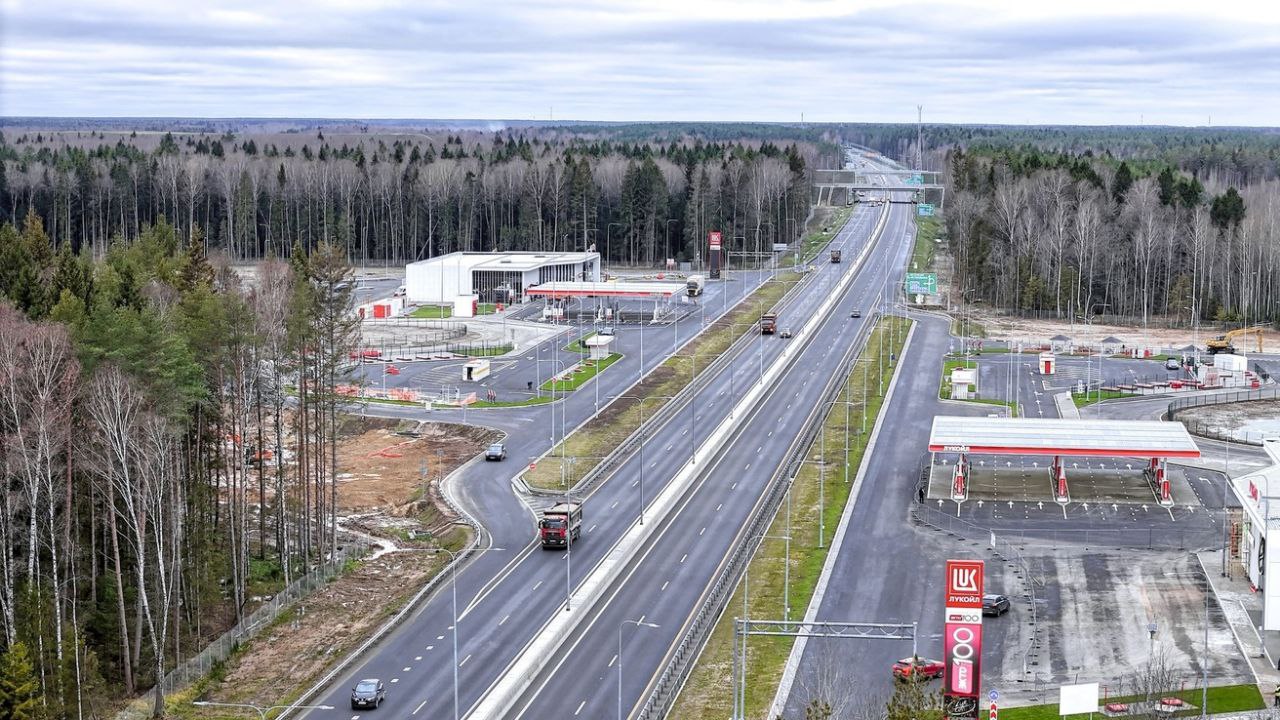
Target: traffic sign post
pixel 922 283
pixel 925 209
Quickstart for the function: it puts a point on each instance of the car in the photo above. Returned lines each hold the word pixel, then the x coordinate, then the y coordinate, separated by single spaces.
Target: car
pixel 784 333
pixel 995 604
pixel 855 314
pixel 607 330
pixel 917 668
pixel 400 292
pixel 367 693
pixel 1172 364
pixel 496 451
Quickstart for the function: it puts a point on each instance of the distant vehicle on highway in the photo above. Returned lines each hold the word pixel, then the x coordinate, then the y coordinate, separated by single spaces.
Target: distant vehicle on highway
pixel 995 604
pixel 367 694
pixel 835 256
pixel 496 451
pixel 917 668
pixel 784 333
pixel 695 285
pixel 1172 364
pixel 768 323
pixel 855 314
pixel 561 525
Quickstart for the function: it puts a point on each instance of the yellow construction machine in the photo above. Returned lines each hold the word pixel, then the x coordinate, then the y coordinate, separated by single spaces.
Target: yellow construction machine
pixel 1223 343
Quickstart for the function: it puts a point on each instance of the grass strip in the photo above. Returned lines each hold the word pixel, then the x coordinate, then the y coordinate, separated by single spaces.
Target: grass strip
pixel 1222 699
pixel 944 387
pixel 585 447
pixel 706 693
pixel 585 370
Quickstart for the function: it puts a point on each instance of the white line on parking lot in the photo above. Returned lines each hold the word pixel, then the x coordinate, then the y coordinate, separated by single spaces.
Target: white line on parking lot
pixel 503 620
pixel 464 661
pixel 733 486
pixel 719 506
pixel 415 710
pixel 593 527
pixel 575 712
pixel 417 657
pixel 535 587
pixel 406 669
pixel 664 586
pixel 701 531
pixel 613 660
pixel 683 558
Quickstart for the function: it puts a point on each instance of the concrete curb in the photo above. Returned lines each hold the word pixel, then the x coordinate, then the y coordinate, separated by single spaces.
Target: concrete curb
pixel 500 697
pixel 409 607
pixel 837 541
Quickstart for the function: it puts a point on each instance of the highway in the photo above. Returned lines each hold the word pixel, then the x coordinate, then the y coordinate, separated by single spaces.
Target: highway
pixel 504 596
pixel 665 587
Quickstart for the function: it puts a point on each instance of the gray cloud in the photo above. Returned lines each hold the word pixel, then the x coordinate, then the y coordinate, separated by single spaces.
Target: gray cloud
pixel 602 61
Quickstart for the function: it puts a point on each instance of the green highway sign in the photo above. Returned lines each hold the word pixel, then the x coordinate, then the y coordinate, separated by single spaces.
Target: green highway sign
pixel 925 209
pixel 922 283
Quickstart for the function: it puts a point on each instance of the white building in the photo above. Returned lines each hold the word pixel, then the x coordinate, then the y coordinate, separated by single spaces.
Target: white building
pixel 494 277
pixel 1259 495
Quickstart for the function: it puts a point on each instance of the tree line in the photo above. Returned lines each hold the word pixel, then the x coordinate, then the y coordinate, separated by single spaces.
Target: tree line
pixel 1062 234
pixel 167 443
pixel 394 197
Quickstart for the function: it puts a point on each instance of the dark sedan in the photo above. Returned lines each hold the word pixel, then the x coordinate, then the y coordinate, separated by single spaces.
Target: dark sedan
pixel 367 694
pixel 995 604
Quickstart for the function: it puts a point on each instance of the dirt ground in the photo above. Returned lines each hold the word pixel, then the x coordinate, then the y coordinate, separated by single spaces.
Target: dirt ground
pixel 304 642
pixel 385 468
pixel 1002 327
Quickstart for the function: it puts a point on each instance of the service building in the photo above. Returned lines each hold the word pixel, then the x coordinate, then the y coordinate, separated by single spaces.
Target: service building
pixel 494 277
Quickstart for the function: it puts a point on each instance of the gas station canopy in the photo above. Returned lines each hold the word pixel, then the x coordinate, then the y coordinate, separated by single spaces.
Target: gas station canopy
pixel 563 289
pixel 1040 436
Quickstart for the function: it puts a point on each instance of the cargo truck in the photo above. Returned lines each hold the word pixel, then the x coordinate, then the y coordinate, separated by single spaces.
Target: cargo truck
pixel 561 524
pixel 835 256
pixel 694 285
pixel 768 323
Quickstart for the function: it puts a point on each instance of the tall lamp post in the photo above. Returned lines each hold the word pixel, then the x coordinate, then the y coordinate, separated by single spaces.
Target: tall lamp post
pixel 453 589
pixel 740 692
pixel 262 711
pixel 643 436
pixel 624 623
pixel 693 406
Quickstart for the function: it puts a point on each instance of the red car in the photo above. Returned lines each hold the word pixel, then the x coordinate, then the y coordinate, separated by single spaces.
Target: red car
pixel 917 667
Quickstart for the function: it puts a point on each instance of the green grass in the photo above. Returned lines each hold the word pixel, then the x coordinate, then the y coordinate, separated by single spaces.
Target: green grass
pixel 585 371
pixel 922 255
pixel 1222 699
pixel 594 440
pixel 484 350
pixel 1093 397
pixel 960 324
pixel 706 694
pixel 944 387
pixel 512 403
pixel 440 312
pixel 577 347
pixel 814 241
pixel 432 312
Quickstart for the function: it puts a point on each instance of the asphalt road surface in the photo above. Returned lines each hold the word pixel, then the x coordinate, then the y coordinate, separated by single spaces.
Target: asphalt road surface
pixel 505 595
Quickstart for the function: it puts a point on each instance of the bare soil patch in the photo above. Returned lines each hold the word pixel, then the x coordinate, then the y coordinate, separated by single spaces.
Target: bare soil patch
pixel 1006 327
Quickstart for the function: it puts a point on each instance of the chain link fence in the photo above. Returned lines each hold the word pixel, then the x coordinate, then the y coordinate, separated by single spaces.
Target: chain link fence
pixel 1195 427
pixel 200 665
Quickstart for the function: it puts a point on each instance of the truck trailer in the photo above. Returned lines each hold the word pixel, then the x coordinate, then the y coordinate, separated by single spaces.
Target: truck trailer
pixel 694 285
pixel 561 524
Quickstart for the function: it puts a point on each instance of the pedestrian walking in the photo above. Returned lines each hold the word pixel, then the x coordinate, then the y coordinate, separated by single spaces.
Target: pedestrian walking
pixel 1275 696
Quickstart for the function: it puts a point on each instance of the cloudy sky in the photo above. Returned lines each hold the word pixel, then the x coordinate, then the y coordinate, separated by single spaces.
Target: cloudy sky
pixel 1025 61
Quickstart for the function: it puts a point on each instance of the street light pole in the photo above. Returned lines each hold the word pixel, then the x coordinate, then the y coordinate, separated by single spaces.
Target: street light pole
pixel 624 623
pixel 643 437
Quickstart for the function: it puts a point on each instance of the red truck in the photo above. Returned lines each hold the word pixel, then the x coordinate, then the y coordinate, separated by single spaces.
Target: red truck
pixel 768 323
pixel 561 524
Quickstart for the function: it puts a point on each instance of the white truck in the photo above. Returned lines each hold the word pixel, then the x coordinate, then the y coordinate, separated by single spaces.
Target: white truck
pixel 694 285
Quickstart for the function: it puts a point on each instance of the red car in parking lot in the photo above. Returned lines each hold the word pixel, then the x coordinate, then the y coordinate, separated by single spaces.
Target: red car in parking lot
pixel 917 668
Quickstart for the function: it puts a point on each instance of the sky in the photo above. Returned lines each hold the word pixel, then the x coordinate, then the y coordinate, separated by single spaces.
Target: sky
pixel 989 61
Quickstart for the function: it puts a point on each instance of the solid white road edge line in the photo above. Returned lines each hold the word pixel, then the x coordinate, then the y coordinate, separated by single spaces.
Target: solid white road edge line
pixel 502 695
pixel 833 553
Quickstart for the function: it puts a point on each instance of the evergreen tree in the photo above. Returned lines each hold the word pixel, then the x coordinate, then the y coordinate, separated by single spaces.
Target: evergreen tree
pixel 18 686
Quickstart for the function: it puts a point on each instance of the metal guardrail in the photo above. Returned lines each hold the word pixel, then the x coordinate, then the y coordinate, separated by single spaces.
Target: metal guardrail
pixel 668 410
pixel 673 676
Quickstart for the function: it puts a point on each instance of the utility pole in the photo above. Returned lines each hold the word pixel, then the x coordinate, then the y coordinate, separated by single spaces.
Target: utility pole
pixel 919 136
